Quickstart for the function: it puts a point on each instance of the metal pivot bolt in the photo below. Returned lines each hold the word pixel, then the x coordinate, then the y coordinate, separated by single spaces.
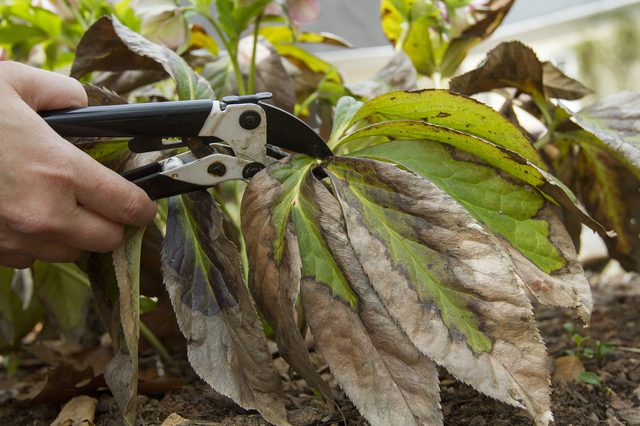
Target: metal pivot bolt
pixel 250 120
pixel 251 169
pixel 217 169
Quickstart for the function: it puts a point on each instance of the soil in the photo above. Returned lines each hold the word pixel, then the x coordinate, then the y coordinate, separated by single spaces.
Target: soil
pixel 614 401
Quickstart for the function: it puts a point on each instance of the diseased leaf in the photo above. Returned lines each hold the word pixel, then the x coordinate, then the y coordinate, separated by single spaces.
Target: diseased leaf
pixel 447 109
pixel 110 46
pixel 607 186
pixel 388 379
pixel 202 273
pixel 444 268
pixel 509 209
pixel 274 259
pixel 494 155
pixel 121 374
pixel 615 121
pixel 513 64
pixel 510 64
pixel 560 86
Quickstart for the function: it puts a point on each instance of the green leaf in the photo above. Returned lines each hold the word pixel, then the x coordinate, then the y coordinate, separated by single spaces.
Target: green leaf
pixel 346 108
pixel 203 275
pixel 440 276
pixel 15 322
pixel 64 292
pixel 11 34
pixel 590 378
pixel 110 46
pixel 317 261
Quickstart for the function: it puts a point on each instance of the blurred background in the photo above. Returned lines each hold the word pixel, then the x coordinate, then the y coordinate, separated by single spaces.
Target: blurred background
pixel 595 41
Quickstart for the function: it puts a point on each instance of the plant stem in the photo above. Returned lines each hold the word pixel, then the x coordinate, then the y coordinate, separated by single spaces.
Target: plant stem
pixel 155 343
pixel 252 71
pixel 233 56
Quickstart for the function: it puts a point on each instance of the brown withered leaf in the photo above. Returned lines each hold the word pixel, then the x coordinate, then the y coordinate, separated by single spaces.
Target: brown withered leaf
pixel 121 373
pixel 436 271
pixel 560 86
pixel 513 64
pixel 202 273
pixel 100 49
pixel 383 373
pixel 79 411
pixel 607 186
pixel 510 64
pixel 275 285
pixel 108 45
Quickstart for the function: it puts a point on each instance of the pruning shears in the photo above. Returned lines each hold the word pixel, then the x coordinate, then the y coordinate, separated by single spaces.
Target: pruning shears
pixel 230 139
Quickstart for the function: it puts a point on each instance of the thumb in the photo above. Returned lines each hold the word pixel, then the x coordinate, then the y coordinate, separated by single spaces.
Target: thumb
pixel 42 90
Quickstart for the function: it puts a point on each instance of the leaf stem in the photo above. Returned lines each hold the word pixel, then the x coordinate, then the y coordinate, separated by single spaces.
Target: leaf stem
pixel 155 343
pixel 233 56
pixel 252 71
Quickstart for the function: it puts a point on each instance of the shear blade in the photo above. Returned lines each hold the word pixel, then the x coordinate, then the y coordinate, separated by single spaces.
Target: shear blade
pixel 288 132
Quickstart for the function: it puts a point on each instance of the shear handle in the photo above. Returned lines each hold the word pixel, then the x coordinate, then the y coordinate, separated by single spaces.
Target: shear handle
pixel 154 119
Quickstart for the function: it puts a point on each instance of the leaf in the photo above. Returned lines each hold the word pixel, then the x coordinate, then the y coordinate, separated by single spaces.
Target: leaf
pixel 614 120
pixel 346 108
pixel 546 259
pixel 274 259
pixel 64 292
pixel 437 273
pixel 488 17
pixel 78 411
pixel 283 34
pixel 373 360
pixel 162 22
pixel 121 374
pixel 443 108
pixel 202 273
pixel 456 120
pixel 607 186
pixel 513 64
pixel 510 64
pixel 110 46
pixel 560 86
pixel 15 322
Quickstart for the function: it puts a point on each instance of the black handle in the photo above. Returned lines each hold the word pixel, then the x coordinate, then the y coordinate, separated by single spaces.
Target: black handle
pixel 156 119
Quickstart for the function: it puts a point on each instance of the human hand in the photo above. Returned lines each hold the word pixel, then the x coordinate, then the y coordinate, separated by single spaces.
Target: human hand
pixel 55 200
